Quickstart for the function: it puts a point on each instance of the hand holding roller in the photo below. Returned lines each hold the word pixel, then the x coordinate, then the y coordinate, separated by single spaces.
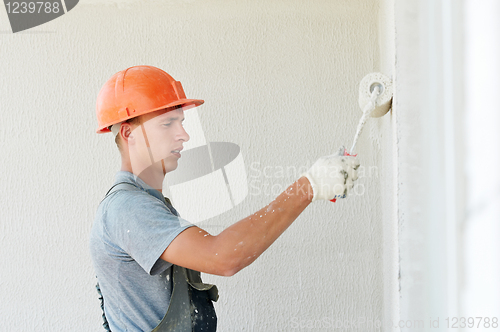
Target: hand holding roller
pixel 331 177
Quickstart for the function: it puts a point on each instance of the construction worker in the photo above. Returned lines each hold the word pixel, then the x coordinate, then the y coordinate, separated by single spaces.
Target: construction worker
pixel 147 258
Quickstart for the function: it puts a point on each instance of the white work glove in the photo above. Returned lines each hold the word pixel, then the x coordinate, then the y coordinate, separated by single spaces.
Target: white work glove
pixel 332 177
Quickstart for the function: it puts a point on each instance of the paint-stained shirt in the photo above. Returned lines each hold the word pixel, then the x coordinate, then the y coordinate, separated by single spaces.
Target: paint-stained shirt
pixel 132 228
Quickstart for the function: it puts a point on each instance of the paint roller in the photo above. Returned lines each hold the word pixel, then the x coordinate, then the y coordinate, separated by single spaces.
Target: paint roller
pixel 375 100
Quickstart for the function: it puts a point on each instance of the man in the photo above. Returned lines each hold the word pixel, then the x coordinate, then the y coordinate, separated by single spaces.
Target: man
pixel 147 258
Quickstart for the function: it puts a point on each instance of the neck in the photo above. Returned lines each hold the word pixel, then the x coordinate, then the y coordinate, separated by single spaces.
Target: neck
pixel 150 175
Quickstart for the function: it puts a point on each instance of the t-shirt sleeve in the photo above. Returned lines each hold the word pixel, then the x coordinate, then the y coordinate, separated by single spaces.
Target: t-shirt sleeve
pixel 144 227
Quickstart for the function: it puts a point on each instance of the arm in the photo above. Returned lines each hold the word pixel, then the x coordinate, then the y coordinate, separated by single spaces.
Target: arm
pixel 241 243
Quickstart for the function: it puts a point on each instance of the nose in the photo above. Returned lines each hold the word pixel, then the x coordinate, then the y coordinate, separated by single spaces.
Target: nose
pixel 183 135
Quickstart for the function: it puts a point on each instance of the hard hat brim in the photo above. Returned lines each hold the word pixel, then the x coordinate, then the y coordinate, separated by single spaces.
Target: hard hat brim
pixel 184 102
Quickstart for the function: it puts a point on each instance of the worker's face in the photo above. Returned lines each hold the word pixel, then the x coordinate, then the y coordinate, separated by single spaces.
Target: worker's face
pixel 158 139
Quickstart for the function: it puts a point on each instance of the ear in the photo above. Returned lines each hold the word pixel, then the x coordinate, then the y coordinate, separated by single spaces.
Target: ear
pixel 126 132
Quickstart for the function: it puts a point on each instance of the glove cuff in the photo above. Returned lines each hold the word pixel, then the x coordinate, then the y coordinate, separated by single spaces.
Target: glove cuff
pixel 313 185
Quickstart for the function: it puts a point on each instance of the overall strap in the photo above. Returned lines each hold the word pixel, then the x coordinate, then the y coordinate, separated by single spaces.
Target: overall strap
pixel 178 316
pixel 129 186
pixel 194 279
pixel 119 186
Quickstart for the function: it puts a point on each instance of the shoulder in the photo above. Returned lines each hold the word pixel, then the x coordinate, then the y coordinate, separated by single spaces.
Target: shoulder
pixel 133 200
pixel 138 209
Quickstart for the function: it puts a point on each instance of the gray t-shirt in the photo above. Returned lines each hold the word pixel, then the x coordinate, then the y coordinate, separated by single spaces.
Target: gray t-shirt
pixel 131 230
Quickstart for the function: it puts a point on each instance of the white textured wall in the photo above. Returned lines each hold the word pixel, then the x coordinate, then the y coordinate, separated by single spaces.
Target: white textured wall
pixel 481 291
pixel 280 79
pixel 386 126
pixel 431 192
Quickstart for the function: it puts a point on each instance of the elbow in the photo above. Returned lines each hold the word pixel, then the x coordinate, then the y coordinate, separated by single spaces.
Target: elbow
pixel 229 266
pixel 228 259
pixel 232 271
pixel 228 270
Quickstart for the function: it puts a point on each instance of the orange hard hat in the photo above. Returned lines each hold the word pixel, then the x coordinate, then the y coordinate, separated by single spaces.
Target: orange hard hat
pixel 135 91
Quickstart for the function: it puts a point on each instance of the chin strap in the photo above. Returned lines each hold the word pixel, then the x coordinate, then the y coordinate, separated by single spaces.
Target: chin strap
pixel 115 129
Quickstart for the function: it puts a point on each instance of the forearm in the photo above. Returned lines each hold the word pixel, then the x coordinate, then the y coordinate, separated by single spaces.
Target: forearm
pixel 241 243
